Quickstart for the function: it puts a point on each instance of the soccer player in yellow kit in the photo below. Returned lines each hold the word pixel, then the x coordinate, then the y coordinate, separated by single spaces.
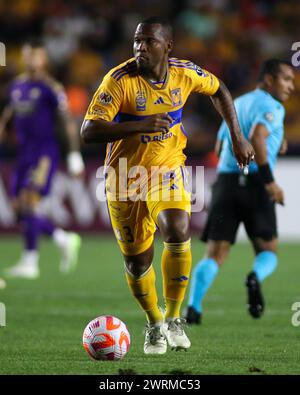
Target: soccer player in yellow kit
pixel 137 110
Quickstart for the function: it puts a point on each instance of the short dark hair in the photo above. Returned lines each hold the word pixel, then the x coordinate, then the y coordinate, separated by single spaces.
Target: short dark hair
pixel 271 66
pixel 164 22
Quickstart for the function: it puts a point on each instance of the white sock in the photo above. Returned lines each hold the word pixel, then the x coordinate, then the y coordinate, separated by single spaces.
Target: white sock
pixel 60 237
pixel 30 258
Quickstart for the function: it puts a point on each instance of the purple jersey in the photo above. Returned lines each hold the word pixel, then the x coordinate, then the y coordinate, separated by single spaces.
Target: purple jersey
pixel 35 104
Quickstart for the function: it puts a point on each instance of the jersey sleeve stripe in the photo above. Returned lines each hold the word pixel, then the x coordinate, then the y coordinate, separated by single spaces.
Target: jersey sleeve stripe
pixel 125 69
pixel 180 62
pixel 182 66
pixel 121 76
pixel 118 72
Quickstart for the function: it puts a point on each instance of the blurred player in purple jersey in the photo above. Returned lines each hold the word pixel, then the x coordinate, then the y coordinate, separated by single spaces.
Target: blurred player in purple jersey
pixel 35 101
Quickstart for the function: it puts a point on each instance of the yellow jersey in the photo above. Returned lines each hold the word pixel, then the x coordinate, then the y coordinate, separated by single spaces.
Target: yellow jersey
pixel 124 96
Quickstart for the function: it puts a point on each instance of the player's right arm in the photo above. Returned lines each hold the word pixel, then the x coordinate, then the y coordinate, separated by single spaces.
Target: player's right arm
pixel 258 139
pixel 4 119
pixel 101 131
pixel 99 125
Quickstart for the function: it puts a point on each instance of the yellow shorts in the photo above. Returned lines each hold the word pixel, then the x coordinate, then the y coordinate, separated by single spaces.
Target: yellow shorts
pixel 135 222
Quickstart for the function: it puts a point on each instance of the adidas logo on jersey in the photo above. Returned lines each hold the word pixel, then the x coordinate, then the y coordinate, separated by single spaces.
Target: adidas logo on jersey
pixel 159 101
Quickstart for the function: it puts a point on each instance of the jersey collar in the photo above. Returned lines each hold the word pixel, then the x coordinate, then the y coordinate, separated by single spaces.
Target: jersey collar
pixel 156 85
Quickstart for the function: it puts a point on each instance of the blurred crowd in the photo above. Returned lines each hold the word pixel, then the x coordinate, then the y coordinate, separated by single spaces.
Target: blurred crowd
pixel 85 38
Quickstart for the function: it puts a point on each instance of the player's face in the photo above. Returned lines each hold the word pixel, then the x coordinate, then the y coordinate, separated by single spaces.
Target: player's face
pixel 35 59
pixel 150 47
pixel 283 84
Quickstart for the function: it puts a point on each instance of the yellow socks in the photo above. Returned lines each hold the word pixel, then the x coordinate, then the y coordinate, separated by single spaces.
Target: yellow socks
pixel 144 290
pixel 176 266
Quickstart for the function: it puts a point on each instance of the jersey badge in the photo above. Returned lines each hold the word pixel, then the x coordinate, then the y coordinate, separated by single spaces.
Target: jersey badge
pixel 269 116
pixel 105 98
pixel 140 101
pixel 176 97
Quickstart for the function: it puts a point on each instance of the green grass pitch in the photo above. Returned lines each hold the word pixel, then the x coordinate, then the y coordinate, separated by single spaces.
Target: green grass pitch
pixel 46 317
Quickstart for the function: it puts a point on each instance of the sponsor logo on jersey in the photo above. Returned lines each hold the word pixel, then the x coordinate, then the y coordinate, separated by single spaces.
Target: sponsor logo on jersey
pixel 176 97
pixel 35 93
pixel 145 138
pixel 140 101
pixel 105 98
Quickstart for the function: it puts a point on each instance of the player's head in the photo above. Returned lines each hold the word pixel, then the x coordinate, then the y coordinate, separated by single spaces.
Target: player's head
pixel 153 41
pixel 277 77
pixel 35 57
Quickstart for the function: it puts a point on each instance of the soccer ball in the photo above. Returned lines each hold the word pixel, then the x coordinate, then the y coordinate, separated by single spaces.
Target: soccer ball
pixel 106 338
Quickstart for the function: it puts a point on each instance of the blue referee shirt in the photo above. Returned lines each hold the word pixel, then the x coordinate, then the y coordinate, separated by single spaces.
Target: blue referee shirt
pixel 255 107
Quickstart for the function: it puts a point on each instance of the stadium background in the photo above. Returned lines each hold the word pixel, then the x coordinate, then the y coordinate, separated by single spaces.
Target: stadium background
pixel 45 318
pixel 87 38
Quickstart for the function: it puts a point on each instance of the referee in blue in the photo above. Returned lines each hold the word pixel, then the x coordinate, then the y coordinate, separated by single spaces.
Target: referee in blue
pixel 247 196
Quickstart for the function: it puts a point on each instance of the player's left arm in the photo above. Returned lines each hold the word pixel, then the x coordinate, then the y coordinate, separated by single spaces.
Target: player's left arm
pixel 74 159
pixel 223 103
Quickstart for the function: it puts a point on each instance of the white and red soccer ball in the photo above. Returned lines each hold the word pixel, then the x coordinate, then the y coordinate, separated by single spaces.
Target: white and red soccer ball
pixel 106 338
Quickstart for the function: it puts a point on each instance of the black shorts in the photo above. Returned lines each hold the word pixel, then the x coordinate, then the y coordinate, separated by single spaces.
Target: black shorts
pixel 237 198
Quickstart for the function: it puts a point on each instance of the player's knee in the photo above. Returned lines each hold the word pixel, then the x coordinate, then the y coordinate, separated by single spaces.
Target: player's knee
pixel 174 225
pixel 26 208
pixel 174 235
pixel 176 231
pixel 137 268
pixel 137 265
pixel 20 206
pixel 28 201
